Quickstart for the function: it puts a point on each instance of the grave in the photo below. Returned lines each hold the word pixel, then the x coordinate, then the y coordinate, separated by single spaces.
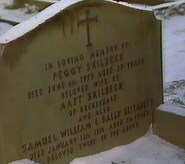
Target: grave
pixel 78 78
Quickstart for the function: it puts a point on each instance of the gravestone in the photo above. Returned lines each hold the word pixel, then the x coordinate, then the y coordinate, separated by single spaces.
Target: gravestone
pixel 78 78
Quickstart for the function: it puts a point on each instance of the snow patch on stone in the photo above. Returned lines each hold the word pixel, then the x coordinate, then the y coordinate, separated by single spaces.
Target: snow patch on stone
pixel 172 109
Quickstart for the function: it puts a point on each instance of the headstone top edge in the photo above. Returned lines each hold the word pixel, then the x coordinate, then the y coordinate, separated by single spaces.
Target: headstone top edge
pixel 32 23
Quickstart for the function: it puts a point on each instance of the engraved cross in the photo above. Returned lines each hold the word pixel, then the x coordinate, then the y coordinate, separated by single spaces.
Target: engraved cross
pixel 88 20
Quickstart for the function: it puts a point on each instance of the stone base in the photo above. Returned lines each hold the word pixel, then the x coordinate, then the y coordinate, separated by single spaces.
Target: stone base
pixel 170 124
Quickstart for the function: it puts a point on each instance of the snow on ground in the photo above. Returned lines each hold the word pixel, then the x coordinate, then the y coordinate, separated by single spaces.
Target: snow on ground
pixel 24 161
pixel 173 60
pixel 17 15
pixel 149 149
pixel 174 49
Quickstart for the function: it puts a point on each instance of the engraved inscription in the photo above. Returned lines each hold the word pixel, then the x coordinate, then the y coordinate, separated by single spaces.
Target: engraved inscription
pixel 89 87
pixel 87 21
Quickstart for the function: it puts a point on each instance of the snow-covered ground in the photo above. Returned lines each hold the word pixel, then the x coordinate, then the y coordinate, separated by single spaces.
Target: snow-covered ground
pixel 17 15
pixel 154 148
pixel 174 49
pixel 149 149
pixel 23 161
pixel 173 60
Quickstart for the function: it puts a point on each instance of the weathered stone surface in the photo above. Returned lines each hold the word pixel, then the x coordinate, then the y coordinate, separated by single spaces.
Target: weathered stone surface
pixel 84 81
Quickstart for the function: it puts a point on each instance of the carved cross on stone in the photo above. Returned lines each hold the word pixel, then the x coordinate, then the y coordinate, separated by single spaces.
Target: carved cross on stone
pixel 88 20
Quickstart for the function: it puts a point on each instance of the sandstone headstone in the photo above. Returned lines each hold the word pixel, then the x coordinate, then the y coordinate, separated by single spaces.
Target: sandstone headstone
pixel 79 78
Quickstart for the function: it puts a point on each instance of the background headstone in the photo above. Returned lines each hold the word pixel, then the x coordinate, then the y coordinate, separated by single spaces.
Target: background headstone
pixel 84 81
